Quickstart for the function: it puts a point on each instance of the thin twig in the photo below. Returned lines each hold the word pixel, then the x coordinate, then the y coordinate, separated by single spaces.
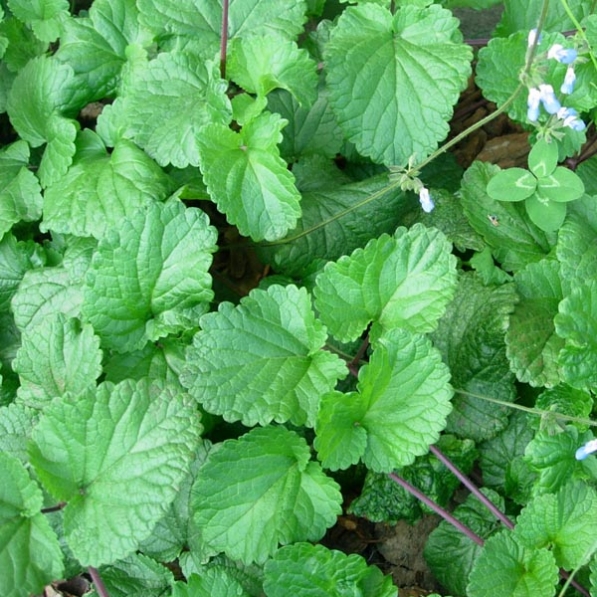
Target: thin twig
pixel 100 587
pixel 224 39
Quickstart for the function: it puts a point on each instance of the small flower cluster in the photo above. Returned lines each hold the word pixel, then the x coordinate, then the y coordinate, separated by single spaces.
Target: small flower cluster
pixel 426 200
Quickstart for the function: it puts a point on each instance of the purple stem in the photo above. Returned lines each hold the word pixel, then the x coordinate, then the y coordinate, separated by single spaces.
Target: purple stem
pixel 471 487
pixel 100 587
pixel 224 39
pixel 436 508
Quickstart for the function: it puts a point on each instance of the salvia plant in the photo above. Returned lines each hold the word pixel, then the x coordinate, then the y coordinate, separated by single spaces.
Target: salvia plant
pixel 410 323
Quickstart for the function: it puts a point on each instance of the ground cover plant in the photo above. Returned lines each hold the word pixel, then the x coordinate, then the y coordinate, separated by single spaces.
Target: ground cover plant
pixel 256 271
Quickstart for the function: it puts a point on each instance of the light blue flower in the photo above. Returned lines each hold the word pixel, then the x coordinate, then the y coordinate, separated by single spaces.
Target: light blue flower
pixel 586 450
pixel 568 84
pixel 571 119
pixel 425 200
pixel 533 102
pixel 562 54
pixel 548 99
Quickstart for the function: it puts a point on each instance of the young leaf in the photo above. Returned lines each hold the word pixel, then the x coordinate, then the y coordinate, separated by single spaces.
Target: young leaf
pixel 101 189
pixel 20 193
pixel 505 567
pixel 405 280
pixel 373 57
pixel 247 178
pixel 562 186
pixel 401 406
pixel 117 456
pixel 260 64
pixel 543 158
pixel 234 372
pixel 316 571
pixel 261 490
pixel 56 356
pixel 148 274
pixel 30 556
pixel 167 103
pixel 544 213
pixel 213 581
pixel 46 17
pixel 20 46
pixel 15 259
pixel 513 184
pixel 16 423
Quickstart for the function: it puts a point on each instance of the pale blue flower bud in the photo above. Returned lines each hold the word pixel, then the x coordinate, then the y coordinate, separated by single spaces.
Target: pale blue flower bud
pixel 562 54
pixel 568 84
pixel 533 102
pixel 571 119
pixel 425 200
pixel 548 99
pixel 586 450
pixel 532 37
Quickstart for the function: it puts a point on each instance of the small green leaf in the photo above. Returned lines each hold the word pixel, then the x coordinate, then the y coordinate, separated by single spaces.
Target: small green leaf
pixel 513 184
pixel 30 555
pixel 406 280
pixel 314 570
pixel 213 581
pixel 247 178
pixel 401 406
pixel 543 158
pixel 117 456
pixel 21 46
pixel 261 490
pixel 544 213
pixel 15 259
pixel 46 17
pixel 562 185
pixel 16 423
pixel 259 382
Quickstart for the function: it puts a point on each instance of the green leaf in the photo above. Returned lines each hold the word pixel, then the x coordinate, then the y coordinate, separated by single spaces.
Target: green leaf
pixel 22 46
pixel 470 337
pixel 213 582
pixel 513 184
pixel 505 567
pixel 117 456
pixel 232 371
pixel 561 186
pixel 401 406
pixel 20 193
pixel 449 553
pixel 166 105
pixel 56 356
pixel 149 275
pixel 30 556
pixel 565 522
pixel 101 189
pixel 16 423
pixel 566 400
pixel 406 280
pixel 261 490
pixel 533 345
pixel 544 213
pixel 316 571
pixel 260 64
pixel 46 17
pixel 543 158
pixel 516 241
pixel 248 180
pixel 394 79
pixel 95 46
pixel 576 323
pixel 15 259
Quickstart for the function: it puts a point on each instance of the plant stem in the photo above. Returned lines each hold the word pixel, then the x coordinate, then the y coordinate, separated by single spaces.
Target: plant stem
pixel 471 487
pixel 224 38
pixel 55 508
pixel 436 508
pixel 98 582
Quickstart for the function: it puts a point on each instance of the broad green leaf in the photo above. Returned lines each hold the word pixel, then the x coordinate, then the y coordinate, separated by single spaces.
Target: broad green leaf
pixel 260 64
pixel 513 184
pixel 314 570
pixel 16 423
pixel 533 345
pixel 406 280
pixel 20 193
pixel 46 17
pixel 96 45
pixel 449 553
pixel 544 213
pixel 43 292
pixel 30 556
pixel 515 241
pixel 59 355
pixel 401 407
pixel 470 337
pixel 21 46
pixel 166 105
pixel 262 361
pixel 149 276
pixel 576 323
pixel 117 457
pixel 561 186
pixel 15 259
pixel 394 79
pixel 505 567
pixel 101 189
pixel 247 178
pixel 336 220
pixel 565 522
pixel 213 582
pixel 261 490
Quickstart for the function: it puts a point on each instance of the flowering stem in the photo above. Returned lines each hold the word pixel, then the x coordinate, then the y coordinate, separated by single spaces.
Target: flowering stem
pixel 224 39
pixel 579 29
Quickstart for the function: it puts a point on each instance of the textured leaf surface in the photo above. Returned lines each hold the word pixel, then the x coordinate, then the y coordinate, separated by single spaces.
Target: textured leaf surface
pixel 30 556
pixel 248 179
pixel 117 456
pixel 16 423
pixel 405 280
pixel 262 361
pixel 401 406
pixel 212 582
pixel 101 190
pixel 15 260
pixel 56 356
pixel 148 273
pixel 393 80
pixel 317 571
pixel 261 490
pixel 44 16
